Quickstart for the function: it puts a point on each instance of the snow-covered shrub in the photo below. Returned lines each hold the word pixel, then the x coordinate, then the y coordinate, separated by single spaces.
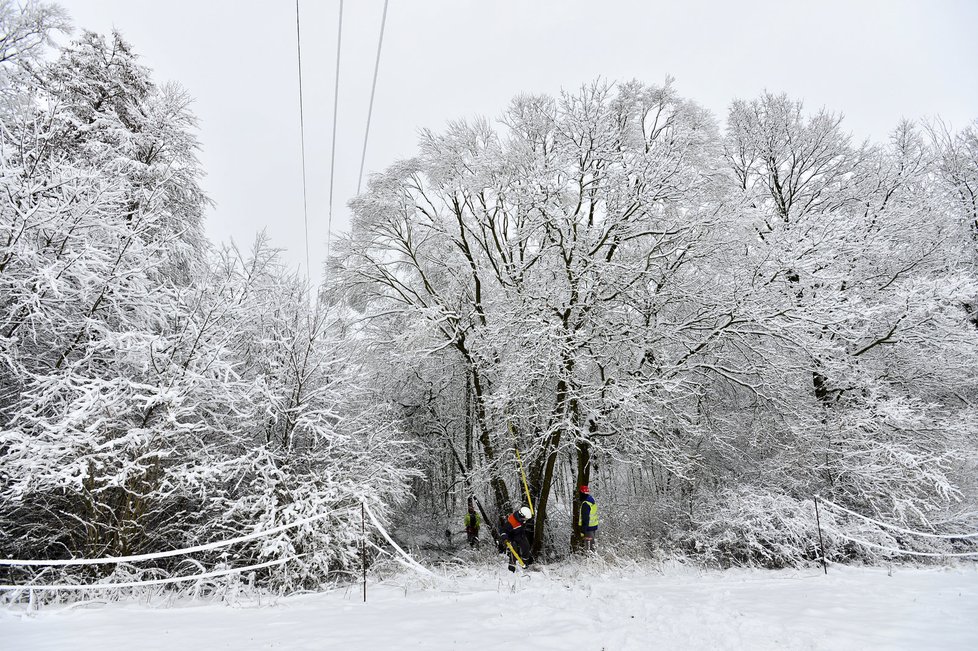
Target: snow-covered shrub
pixel 752 526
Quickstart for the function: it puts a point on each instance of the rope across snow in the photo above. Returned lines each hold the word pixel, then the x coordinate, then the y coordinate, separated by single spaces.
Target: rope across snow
pixel 948 536
pixel 909 532
pixel 147 557
pixel 172 552
pixel 903 551
pixel 405 559
pixel 136 584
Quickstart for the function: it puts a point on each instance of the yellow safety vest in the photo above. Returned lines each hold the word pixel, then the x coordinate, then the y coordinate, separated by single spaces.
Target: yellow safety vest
pixel 592 520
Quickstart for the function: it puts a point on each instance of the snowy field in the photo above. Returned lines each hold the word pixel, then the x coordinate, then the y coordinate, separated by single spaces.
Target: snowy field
pixel 581 608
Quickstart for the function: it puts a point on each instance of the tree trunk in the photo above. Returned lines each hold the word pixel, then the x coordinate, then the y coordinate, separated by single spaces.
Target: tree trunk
pixel 583 479
pixel 468 422
pixel 562 405
pixel 499 490
pixel 546 483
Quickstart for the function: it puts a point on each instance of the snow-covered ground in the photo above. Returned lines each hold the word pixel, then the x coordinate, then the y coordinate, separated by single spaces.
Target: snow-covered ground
pixel 580 607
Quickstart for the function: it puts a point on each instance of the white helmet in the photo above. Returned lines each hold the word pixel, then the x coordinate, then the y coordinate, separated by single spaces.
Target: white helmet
pixel 525 512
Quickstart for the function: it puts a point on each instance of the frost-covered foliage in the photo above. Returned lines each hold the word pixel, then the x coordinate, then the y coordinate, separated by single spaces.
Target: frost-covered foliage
pixel 747 317
pixel 27 28
pixel 156 393
pixel 746 526
pixel 709 325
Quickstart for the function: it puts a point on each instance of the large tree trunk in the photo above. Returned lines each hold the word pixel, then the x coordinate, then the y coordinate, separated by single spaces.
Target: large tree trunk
pixel 468 422
pixel 499 491
pixel 563 405
pixel 583 479
pixel 545 484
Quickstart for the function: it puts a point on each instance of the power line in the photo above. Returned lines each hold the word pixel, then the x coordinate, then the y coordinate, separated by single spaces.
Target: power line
pixel 373 89
pixel 332 156
pixel 302 138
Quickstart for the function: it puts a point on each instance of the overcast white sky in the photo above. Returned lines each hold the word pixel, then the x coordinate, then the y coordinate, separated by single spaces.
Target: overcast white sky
pixel 874 60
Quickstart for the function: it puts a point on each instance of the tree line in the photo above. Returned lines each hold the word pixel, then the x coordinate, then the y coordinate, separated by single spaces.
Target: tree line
pixel 707 322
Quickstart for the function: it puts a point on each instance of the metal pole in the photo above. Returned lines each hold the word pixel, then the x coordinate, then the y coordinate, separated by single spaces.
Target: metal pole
pixel 821 546
pixel 363 548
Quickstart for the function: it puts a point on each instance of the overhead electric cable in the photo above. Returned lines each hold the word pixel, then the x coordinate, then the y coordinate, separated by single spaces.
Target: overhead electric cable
pixel 332 155
pixel 302 137
pixel 373 90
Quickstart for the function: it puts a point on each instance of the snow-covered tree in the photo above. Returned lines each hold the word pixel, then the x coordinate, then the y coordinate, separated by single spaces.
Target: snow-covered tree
pixel 156 393
pixel 26 29
pixel 520 251
pixel 752 312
